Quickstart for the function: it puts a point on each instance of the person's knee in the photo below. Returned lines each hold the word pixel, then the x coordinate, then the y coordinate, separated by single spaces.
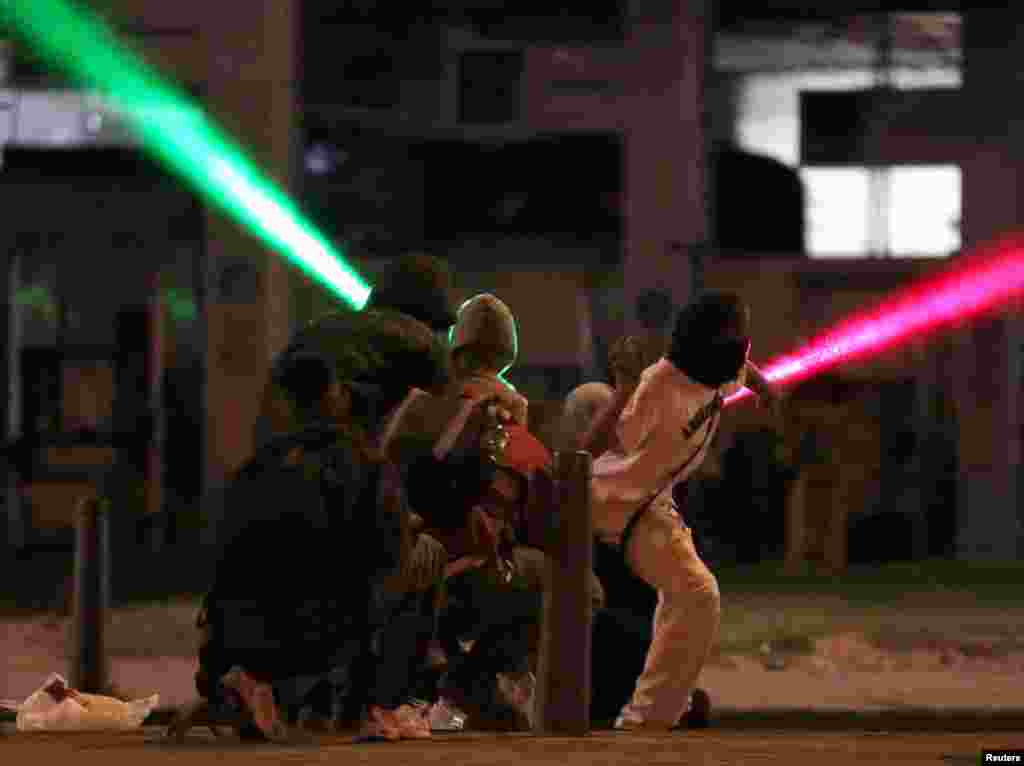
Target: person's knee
pixel 714 596
pixel 696 585
pixel 427 562
pixel 531 566
pixel 433 553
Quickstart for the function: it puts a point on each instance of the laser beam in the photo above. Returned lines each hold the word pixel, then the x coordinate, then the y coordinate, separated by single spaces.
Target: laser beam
pixel 991 276
pixel 175 131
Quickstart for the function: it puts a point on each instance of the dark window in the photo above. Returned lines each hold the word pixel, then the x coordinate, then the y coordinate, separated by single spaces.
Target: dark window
pixel 564 184
pixel 572 22
pixel 832 126
pixel 28 68
pixel 489 87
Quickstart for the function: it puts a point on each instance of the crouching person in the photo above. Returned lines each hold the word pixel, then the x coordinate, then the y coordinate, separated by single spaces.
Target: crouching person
pixel 398 356
pixel 497 571
pixel 322 495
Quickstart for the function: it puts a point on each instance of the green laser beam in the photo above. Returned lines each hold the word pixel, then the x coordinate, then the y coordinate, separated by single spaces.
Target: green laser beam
pixel 172 128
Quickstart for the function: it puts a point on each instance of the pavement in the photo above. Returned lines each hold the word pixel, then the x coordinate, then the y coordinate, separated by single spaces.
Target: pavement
pixel 848 684
pixel 746 694
pixel 708 748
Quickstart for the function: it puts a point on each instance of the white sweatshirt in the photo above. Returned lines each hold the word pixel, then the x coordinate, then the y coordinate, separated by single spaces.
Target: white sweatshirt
pixel 669 420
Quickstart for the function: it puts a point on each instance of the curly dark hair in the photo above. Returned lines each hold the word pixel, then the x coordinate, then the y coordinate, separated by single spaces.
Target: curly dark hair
pixel 380 354
pixel 627 358
pixel 711 338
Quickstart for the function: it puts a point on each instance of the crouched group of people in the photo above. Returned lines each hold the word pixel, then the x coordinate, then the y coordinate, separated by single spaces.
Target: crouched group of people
pixel 385 542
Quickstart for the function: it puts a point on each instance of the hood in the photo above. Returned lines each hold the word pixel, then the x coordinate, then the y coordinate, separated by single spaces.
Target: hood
pixel 486 321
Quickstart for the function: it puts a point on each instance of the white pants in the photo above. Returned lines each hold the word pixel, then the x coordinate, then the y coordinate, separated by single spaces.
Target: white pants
pixel 686 620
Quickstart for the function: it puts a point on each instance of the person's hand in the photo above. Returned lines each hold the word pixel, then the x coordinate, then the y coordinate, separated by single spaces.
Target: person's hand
pixel 624 391
pixel 627 360
pixel 499 412
pixel 771 398
pixel 768 394
pixel 484 530
pixel 464 564
pixel 495 438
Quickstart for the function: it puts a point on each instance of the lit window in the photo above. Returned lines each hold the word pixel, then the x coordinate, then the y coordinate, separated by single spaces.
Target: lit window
pixel 837 210
pixel 923 211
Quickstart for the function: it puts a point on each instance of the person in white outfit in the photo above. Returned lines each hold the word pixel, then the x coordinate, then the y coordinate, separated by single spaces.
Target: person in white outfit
pixel 655 437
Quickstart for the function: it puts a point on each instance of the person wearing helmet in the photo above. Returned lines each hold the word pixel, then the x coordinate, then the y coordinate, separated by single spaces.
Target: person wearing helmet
pixel 659 435
pixel 498 570
pixel 484 346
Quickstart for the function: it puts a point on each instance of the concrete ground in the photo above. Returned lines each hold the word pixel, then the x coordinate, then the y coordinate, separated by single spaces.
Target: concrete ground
pixel 746 687
pixel 964 660
pixel 848 702
pixel 708 748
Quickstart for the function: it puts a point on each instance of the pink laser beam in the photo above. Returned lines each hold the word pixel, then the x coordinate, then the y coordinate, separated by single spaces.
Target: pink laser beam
pixel 991 275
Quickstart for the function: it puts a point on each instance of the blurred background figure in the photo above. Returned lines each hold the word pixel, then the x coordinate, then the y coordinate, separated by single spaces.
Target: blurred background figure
pixel 627 358
pixel 654 312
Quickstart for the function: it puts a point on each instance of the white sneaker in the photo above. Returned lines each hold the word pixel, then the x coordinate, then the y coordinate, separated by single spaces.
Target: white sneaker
pixel 628 722
pixel 443 716
pixel 697 716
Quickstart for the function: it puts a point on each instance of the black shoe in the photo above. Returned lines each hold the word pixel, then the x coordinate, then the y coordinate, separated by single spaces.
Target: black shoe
pixel 699 714
pixel 484 706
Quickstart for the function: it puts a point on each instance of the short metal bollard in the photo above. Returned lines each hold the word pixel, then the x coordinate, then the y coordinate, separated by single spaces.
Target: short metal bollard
pixel 563 689
pixel 89 669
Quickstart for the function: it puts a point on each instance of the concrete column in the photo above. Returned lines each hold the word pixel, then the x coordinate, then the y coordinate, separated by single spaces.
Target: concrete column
pixel 665 150
pixel 988 391
pixel 564 683
pixel 251 87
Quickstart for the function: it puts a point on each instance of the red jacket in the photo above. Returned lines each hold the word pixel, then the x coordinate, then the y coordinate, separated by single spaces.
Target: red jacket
pixel 510 512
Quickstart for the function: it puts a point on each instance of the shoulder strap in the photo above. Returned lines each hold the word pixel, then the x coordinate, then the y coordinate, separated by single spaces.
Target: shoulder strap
pixel 712 421
pixel 639 512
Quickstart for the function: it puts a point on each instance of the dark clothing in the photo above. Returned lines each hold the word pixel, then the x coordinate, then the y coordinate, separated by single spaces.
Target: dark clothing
pixel 403 620
pixel 419 285
pixel 479 603
pixel 391 350
pixel 502 618
pixel 503 621
pixel 407 623
pixel 620 641
pixel 444 491
pixel 332 511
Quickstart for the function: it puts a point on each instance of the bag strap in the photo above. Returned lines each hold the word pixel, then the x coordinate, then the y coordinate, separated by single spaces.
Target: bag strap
pixel 627 532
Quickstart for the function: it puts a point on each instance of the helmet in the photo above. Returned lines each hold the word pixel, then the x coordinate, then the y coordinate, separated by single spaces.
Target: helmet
pixel 485 322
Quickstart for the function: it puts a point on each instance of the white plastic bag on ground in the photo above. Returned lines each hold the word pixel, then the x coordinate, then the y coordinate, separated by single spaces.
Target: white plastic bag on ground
pixel 55 706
